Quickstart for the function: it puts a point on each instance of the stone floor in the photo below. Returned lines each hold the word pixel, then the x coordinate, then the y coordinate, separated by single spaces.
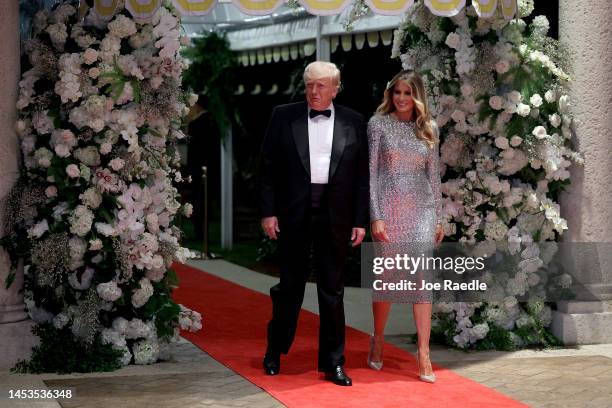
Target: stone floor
pixel 567 378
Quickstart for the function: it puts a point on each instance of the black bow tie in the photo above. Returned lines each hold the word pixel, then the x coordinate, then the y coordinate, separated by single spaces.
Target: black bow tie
pixel 314 113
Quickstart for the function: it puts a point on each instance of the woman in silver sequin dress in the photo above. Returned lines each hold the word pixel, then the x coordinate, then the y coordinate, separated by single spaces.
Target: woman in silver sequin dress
pixel 405 201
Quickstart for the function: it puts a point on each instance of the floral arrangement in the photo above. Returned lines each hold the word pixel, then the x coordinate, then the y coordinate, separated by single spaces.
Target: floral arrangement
pixel 497 92
pixel 101 107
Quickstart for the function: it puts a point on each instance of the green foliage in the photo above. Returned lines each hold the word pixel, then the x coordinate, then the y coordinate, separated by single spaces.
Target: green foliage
pixel 118 80
pixel 496 339
pixel 211 73
pixel 60 352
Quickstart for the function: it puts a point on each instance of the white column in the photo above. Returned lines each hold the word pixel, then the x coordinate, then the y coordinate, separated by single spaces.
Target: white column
pixel 227 188
pixel 323 46
pixel 584 30
pixel 14 328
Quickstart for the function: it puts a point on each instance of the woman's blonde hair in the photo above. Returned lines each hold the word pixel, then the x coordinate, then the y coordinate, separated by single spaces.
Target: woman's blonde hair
pixel 424 123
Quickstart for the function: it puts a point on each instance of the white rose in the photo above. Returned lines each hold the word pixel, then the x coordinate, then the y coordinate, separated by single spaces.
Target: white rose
pixel 187 210
pixel 536 100
pixel 515 97
pixel 453 40
pixel 51 191
pixel 109 291
pixel 458 116
pixel 523 109
pixel 192 98
pixel 496 102
pixel 540 132
pixel 106 148
pixel 116 164
pixel 467 90
pixel 39 229
pixel 105 229
pixel 62 150
pixel 93 72
pixel 502 67
pixel 550 96
pixel 535 112
pixel 501 142
pixel 515 141
pixel 555 120
pixel 90 56
pixel 72 170
pixel 564 104
pixel 95 244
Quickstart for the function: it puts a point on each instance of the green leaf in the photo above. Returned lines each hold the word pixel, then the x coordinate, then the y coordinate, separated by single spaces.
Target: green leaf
pixel 171 278
pixel 10 278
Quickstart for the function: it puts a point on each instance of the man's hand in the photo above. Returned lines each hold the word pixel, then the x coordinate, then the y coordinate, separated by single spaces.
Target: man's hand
pixel 379 231
pixel 357 236
pixel 270 226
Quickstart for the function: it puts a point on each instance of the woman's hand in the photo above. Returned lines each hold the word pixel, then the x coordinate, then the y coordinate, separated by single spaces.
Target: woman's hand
pixel 379 231
pixel 439 234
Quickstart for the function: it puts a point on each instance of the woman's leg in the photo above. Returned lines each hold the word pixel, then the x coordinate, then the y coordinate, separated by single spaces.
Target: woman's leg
pixel 422 319
pixel 381 314
pixel 380 311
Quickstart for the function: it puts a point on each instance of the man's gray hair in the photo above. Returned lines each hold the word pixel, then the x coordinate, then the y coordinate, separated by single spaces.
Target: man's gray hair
pixel 322 69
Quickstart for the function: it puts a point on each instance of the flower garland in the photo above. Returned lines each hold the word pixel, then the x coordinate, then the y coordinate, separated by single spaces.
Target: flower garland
pixel 101 108
pixel 497 92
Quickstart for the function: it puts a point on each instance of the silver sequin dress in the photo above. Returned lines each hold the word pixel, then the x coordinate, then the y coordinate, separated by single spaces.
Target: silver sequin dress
pixel 405 193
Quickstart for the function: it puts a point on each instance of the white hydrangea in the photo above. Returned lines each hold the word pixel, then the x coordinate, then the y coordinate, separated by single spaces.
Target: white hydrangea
pixel 59 34
pixel 141 295
pixel 109 291
pixel 81 220
pixel 77 247
pixel 91 198
pixel 85 281
pixel 137 329
pixel 60 320
pixel 122 26
pixel 525 8
pixel 145 351
pixel 89 156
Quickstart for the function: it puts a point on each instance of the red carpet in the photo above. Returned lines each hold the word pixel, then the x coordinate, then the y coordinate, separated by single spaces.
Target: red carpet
pixel 235 318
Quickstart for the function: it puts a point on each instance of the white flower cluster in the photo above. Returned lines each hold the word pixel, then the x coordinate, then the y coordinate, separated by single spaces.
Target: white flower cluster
pixel 189 320
pixel 493 136
pixel 106 162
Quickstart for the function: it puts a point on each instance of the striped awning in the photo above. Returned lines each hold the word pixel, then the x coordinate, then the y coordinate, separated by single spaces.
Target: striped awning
pixel 144 9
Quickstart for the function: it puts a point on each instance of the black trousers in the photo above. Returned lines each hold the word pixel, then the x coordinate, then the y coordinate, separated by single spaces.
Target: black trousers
pixel 329 255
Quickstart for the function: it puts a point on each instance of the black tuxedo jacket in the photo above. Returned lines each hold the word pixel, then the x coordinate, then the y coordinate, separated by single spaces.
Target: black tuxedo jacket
pixel 284 169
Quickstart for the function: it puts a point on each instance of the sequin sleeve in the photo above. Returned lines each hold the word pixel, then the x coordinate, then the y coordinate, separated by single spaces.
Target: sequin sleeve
pixel 374 135
pixel 433 174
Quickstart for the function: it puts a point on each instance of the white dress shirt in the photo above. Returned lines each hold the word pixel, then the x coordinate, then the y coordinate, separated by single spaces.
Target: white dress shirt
pixel 320 138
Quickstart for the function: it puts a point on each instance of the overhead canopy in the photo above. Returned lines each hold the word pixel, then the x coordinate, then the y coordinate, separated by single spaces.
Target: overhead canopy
pixel 144 9
pixel 286 26
pixel 267 31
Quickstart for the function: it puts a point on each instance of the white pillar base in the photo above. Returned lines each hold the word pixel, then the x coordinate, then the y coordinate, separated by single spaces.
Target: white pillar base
pixel 17 343
pixel 577 323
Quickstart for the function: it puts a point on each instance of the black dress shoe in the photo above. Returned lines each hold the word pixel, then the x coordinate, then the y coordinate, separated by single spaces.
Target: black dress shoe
pixel 271 364
pixel 338 377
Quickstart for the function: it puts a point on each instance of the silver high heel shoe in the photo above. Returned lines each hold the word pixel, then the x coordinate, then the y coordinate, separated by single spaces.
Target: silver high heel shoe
pixel 428 378
pixel 375 355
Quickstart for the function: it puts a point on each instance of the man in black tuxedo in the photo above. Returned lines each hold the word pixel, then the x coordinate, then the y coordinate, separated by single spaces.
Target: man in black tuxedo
pixel 313 191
